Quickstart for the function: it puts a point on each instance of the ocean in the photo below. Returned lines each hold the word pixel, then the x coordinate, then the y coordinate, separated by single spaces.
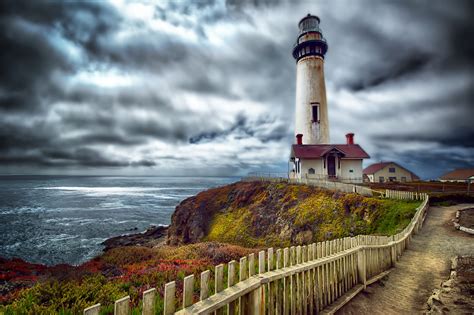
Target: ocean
pixel 63 219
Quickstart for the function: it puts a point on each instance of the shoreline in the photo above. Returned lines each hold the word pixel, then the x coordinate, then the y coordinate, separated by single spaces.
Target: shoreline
pixel 17 273
pixel 153 236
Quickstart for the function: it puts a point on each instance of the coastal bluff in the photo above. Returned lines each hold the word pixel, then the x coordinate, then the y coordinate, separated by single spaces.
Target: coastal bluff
pixel 258 214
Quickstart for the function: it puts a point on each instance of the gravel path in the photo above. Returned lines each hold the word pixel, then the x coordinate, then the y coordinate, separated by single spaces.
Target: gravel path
pixel 421 268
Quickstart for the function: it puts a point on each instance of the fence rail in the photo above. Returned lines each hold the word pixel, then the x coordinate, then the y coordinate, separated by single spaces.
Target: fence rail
pixel 309 279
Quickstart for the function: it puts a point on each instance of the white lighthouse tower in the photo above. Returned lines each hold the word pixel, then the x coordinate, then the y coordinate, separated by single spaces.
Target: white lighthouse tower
pixel 311 107
pixel 313 157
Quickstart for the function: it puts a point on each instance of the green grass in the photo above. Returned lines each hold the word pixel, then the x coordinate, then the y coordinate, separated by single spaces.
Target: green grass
pixel 55 297
pixel 232 227
pixel 394 217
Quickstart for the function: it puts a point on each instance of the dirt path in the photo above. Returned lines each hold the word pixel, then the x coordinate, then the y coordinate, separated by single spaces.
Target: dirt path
pixel 421 268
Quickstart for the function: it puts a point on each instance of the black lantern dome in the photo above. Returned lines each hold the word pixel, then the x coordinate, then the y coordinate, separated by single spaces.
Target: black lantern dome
pixel 310 40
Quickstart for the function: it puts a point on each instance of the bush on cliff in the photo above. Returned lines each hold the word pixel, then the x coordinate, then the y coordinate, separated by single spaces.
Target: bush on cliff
pixel 117 273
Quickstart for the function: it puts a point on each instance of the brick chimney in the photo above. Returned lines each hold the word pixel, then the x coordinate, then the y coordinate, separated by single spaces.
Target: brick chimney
pixel 299 139
pixel 350 138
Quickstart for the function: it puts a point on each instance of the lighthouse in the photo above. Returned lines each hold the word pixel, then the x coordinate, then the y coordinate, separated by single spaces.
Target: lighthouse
pixel 313 157
pixel 311 106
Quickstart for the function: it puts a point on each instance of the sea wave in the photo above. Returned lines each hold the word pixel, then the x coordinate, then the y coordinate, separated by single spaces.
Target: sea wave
pixel 125 191
pixel 65 219
pixel 23 210
pixel 115 189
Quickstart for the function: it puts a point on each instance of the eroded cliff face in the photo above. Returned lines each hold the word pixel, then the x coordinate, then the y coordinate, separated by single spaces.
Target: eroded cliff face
pixel 256 214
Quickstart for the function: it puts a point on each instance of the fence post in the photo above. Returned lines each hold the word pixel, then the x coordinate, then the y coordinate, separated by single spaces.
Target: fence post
pixel 170 294
pixel 393 253
pixel 149 298
pixel 257 297
pixel 122 306
pixel 243 275
pixel 231 280
pixel 361 267
pixel 188 290
pixel 92 310
pixel 286 284
pixel 219 283
pixel 204 293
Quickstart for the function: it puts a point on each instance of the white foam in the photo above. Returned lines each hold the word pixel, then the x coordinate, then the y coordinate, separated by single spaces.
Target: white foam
pixel 62 237
pixel 21 210
pixel 121 191
pixel 117 189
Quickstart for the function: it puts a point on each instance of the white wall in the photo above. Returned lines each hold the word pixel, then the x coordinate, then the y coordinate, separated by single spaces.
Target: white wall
pixel 399 173
pixel 349 164
pixel 343 173
pixel 317 164
pixel 310 87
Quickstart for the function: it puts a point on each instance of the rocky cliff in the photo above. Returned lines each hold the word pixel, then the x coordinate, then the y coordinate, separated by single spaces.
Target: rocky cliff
pixel 255 214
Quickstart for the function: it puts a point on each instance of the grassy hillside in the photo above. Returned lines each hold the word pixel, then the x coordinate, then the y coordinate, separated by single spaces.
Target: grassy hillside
pixel 279 214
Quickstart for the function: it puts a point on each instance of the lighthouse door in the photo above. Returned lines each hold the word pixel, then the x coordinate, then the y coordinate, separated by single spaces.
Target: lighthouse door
pixel 331 166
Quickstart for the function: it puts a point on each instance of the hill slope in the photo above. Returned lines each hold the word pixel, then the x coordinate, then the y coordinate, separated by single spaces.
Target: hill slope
pixel 256 214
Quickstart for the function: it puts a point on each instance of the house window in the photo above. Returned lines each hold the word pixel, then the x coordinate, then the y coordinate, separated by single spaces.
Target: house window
pixel 311 171
pixel 381 179
pixel 351 171
pixel 392 179
pixel 404 179
pixel 391 169
pixel 315 112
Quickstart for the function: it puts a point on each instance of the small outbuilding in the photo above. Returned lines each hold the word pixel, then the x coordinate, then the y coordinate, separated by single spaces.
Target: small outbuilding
pixel 463 175
pixel 389 172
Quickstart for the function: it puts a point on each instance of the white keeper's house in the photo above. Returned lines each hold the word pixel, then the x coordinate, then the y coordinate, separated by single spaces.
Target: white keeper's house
pixel 313 156
pixel 383 172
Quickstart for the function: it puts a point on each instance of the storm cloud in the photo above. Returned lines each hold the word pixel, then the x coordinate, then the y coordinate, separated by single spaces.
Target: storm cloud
pixel 207 87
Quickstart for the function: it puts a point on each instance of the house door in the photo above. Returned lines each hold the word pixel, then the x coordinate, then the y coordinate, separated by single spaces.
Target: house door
pixel 331 166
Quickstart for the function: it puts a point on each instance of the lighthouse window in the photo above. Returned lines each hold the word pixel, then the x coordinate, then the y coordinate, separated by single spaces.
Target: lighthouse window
pixel 315 112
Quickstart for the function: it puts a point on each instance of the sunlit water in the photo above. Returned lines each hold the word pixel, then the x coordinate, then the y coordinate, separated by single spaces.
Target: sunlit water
pixel 52 220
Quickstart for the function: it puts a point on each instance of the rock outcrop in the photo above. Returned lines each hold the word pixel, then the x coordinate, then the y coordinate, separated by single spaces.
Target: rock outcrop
pixel 155 235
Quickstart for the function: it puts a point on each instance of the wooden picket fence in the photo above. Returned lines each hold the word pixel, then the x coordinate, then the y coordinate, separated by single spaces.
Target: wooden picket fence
pixel 406 195
pixel 318 278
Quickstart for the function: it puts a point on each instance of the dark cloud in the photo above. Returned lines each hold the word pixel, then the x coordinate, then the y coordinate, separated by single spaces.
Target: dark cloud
pixel 264 128
pixel 33 51
pixel 90 85
pixel 463 137
pixel 146 163
pixel 412 64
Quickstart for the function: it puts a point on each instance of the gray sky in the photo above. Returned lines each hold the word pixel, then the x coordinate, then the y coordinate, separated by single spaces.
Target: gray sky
pixel 208 87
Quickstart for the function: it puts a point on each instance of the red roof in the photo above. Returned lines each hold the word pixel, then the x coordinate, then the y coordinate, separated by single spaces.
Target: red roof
pixel 372 169
pixel 314 151
pixel 459 174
